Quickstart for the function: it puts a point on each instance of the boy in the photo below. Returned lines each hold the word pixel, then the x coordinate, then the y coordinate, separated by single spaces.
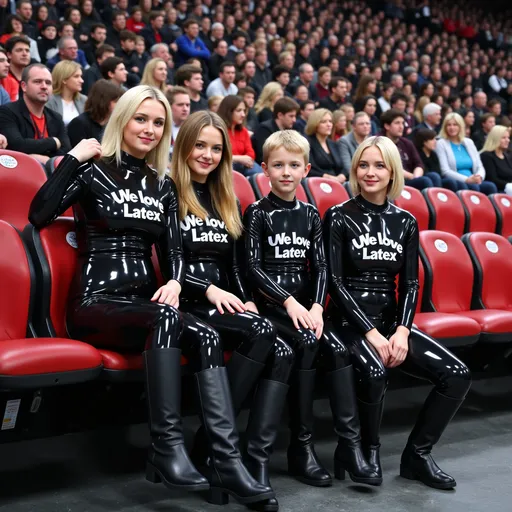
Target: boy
pixel 287 271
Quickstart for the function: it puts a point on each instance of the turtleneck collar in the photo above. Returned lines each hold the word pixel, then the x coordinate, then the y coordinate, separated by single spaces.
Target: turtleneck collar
pixel 289 205
pixel 369 206
pixel 200 188
pixel 132 163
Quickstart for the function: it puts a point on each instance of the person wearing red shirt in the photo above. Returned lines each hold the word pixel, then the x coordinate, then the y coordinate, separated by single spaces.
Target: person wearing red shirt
pixel 135 23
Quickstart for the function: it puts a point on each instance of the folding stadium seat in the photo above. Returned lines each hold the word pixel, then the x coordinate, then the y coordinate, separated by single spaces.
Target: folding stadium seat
pixel 449 285
pixel 325 193
pixel 31 363
pixel 446 211
pixel 412 201
pixel 503 205
pixel 243 190
pixel 478 210
pixel 52 164
pixel 261 186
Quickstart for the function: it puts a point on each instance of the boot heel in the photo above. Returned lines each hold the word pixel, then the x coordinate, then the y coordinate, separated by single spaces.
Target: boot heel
pixel 405 472
pixel 218 497
pixel 152 475
pixel 339 471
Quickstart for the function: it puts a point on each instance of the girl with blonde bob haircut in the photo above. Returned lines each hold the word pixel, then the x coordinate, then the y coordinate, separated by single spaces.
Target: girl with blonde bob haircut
pixel 148 77
pixel 314 120
pixel 269 95
pixel 392 161
pixel 126 107
pixel 497 160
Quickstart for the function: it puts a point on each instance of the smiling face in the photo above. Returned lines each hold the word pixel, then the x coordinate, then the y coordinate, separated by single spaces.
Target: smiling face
pixel 206 155
pixel 372 175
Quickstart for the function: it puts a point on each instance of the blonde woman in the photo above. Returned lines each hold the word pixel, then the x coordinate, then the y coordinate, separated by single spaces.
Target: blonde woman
pixel 126 203
pixel 459 158
pixel 264 107
pixel 340 125
pixel 418 111
pixel 155 74
pixel 214 103
pixel 497 160
pixel 376 326
pixel 67 84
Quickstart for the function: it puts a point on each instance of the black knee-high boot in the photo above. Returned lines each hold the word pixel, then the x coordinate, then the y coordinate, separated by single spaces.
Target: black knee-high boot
pixel 303 462
pixel 263 425
pixel 349 453
pixel 229 476
pixel 417 462
pixel 168 461
pixel 370 416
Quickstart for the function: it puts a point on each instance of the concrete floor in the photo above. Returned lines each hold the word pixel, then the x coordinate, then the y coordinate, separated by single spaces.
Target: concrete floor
pixel 103 471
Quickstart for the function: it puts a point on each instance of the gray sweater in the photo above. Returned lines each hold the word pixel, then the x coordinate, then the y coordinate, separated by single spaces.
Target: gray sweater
pixel 449 165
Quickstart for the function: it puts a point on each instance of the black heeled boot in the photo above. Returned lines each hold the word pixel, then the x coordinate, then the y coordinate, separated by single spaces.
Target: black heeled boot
pixel 349 454
pixel 263 425
pixel 228 476
pixel 417 462
pixel 168 460
pixel 303 462
pixel 370 416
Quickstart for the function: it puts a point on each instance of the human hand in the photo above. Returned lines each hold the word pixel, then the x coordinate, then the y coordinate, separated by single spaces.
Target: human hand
pixel 341 178
pixel 398 347
pixel 317 314
pixel 3 141
pixel 169 293
pixel 86 149
pixel 299 314
pixel 380 344
pixel 417 172
pixel 250 306
pixel 223 299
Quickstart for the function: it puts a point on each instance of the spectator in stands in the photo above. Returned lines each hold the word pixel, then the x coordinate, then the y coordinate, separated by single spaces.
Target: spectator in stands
pixel 368 105
pixel 487 123
pixel 322 84
pixel 459 157
pixel 127 52
pixel 361 127
pixel 284 116
pixel 233 110
pixel 24 10
pixel 191 78
pixel 18 53
pixel 224 84
pixel 47 41
pixel 338 88
pixel 155 33
pixel 340 126
pixel 220 51
pixel 479 107
pixel 263 73
pixel 431 118
pixel 469 121
pixel 118 24
pixel 306 75
pixel 180 107
pixel 238 41
pixel 216 34
pixel 98 108
pixel 113 69
pixel 497 82
pixel 155 74
pixel 28 125
pixel 325 154
pixel 271 93
pixel 97 38
pixel 307 107
pixel 161 51
pixel 143 56
pixel 214 103
pixel 93 74
pixel 497 160
pixel 68 50
pixel 494 107
pixel 67 99
pixel 190 45
pixel 4 71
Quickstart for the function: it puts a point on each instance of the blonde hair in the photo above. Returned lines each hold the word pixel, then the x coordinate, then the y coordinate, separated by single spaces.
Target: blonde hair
pixel 283 55
pixel 220 180
pixel 336 116
pixel 391 158
pixel 290 140
pixel 213 99
pixel 453 116
pixel 148 77
pixel 314 120
pixel 62 71
pixel 124 110
pixel 493 140
pixel 418 111
pixel 267 94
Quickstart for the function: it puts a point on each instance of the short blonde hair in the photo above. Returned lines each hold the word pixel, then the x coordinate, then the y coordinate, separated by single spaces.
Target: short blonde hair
pixel 290 140
pixel 62 71
pixel 124 110
pixel 314 120
pixel 213 99
pixel 493 140
pixel 391 158
pixel 453 116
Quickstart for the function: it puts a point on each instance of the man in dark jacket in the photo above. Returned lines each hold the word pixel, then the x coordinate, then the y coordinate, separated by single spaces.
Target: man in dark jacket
pixel 29 126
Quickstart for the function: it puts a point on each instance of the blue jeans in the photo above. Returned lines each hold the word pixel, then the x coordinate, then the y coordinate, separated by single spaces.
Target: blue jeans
pixel 448 183
pixel 420 183
pixel 486 187
pixel 255 169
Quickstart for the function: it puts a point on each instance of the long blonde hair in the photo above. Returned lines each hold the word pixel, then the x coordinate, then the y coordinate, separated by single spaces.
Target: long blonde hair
pixel 266 96
pixel 493 140
pixel 220 181
pixel 148 77
pixel 124 110
pixel 62 71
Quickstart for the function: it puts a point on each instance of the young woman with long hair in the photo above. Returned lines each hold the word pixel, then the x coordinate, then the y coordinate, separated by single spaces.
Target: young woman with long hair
pixel 264 107
pixel 155 74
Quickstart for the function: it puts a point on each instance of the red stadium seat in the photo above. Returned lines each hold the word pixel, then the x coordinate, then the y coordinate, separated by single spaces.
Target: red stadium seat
pixel 503 205
pixel 478 210
pixel 446 211
pixel 325 193
pixel 449 285
pixel 261 186
pixel 243 190
pixel 53 163
pixel 30 363
pixel 412 201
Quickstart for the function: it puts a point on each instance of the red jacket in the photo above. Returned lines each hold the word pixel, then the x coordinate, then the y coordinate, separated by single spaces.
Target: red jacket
pixel 241 142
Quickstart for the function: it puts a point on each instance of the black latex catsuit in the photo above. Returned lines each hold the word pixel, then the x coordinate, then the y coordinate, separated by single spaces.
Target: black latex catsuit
pixel 120 212
pixel 368 245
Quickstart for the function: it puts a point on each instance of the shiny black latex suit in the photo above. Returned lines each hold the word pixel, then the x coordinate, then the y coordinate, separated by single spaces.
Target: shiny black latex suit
pixel 120 212
pixel 368 245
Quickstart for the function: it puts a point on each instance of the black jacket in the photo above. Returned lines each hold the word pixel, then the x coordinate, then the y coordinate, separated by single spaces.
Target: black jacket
pixel 16 124
pixel 83 127
pixel 322 162
pixel 261 134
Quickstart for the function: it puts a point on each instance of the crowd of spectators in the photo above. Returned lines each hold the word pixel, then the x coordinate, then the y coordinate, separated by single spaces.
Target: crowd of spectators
pixel 423 73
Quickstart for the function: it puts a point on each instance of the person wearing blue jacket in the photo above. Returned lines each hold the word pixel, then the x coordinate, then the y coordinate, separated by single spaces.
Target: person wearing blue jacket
pixel 190 45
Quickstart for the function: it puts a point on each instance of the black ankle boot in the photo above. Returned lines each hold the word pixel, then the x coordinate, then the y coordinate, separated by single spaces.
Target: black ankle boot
pixel 229 476
pixel 262 430
pixel 417 462
pixel 370 416
pixel 303 462
pixel 168 461
pixel 349 454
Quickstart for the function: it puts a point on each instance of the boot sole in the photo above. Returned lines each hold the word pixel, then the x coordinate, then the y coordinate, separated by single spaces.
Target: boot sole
pixel 154 476
pixel 220 496
pixel 313 483
pixel 340 473
pixel 409 475
pixel 264 507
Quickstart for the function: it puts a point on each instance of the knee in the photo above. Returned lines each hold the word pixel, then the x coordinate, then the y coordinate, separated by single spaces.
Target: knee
pixel 168 319
pixel 457 381
pixel 283 354
pixel 208 340
pixel 308 344
pixel 263 331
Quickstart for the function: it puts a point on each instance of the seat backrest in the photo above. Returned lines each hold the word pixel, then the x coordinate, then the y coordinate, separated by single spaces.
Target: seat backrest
pixel 448 272
pixel 21 176
pixel 243 190
pixel 261 186
pixel 15 284
pixel 492 260
pixel 446 211
pixel 478 210
pixel 503 206
pixel 421 280
pixel 325 193
pixel 412 201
